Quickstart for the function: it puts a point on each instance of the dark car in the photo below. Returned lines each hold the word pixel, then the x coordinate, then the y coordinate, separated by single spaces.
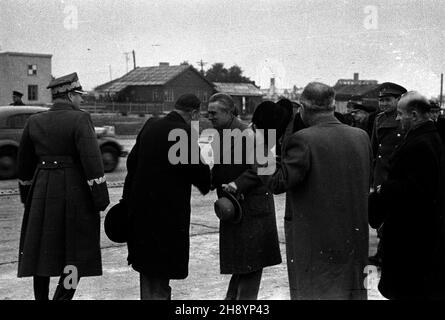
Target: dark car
pixel 12 122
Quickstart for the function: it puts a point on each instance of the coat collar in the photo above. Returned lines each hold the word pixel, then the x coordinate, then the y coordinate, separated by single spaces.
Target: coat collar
pixel 236 124
pixel 60 104
pixel 425 127
pixel 327 120
pixel 174 116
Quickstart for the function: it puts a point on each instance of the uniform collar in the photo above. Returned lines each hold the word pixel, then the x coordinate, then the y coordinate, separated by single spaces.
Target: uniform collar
pixel 60 104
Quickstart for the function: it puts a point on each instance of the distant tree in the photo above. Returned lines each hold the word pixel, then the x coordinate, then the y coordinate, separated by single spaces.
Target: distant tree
pixel 235 74
pixel 184 63
pixel 218 73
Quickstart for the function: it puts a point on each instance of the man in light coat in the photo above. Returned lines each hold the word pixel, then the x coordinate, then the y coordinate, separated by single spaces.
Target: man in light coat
pixel 325 170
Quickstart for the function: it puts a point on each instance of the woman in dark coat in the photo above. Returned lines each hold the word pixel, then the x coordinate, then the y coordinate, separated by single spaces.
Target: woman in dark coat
pixel 248 246
pixel 62 185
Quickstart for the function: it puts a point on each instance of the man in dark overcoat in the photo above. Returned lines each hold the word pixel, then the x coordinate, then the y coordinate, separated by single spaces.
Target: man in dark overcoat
pixel 386 137
pixel 413 198
pixel 248 246
pixel 62 184
pixel 325 172
pixel 157 193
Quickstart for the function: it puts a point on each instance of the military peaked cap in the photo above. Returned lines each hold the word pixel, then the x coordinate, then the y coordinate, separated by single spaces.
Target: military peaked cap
pixel 65 84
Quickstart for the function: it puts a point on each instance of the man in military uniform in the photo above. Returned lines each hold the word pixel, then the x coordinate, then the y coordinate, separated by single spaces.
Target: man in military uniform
pixel 386 136
pixel 62 184
pixel 17 99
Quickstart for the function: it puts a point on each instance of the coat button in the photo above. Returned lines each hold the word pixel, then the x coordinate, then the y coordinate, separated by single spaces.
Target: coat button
pixel 380 157
pixel 380 145
pixel 43 162
pixel 398 134
pixel 55 162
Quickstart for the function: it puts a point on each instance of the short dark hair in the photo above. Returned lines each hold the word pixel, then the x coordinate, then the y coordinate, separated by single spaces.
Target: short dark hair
pixel 320 95
pixel 188 102
pixel 226 100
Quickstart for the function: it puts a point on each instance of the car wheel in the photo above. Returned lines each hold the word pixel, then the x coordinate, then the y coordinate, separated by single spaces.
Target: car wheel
pixel 8 163
pixel 110 158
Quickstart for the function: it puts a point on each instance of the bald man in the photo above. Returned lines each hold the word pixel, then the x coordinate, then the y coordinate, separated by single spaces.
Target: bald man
pixel 413 198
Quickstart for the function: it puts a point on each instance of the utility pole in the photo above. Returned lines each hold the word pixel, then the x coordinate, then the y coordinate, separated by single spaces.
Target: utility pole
pixel 441 90
pixel 127 58
pixel 134 60
pixel 202 64
pixel 111 77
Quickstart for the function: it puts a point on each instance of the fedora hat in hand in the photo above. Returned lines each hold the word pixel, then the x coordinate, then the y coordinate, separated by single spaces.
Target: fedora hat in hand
pixel 228 208
pixel 116 223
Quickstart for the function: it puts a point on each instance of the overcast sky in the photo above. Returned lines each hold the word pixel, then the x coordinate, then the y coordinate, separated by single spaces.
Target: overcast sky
pixel 296 41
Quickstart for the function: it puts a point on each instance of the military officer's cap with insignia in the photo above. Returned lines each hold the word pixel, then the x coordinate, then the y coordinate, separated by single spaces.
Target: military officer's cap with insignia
pixel 391 89
pixel 65 84
pixel 17 93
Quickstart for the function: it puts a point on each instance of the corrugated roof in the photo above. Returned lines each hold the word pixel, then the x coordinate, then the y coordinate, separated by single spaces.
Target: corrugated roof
pixel 354 89
pixel 144 76
pixel 238 89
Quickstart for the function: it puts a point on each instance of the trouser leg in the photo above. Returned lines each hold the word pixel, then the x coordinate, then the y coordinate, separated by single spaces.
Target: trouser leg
pixel 65 289
pixel 249 285
pixel 154 288
pixel 232 290
pixel 41 287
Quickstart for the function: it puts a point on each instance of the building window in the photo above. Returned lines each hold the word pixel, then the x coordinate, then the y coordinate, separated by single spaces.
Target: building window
pixel 168 95
pixel 202 95
pixel 156 95
pixel 32 93
pixel 32 69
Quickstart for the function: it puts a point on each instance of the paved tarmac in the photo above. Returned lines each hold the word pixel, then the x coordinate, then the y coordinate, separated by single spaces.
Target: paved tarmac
pixel 119 281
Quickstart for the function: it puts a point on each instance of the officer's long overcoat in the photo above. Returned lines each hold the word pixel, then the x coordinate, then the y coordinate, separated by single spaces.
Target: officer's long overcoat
pixel 62 184
pixel 386 137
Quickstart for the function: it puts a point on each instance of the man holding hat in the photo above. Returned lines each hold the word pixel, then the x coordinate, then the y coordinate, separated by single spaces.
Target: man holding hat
pixel 325 172
pixel 386 137
pixel 17 99
pixel 62 184
pixel 248 238
pixel 157 194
